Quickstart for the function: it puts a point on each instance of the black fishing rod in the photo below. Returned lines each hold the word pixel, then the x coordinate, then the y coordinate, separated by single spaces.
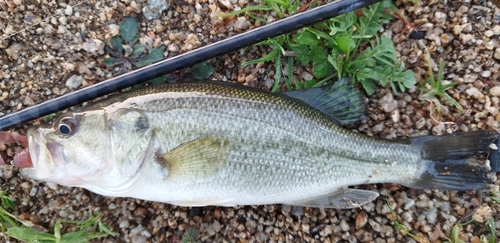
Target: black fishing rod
pixel 184 60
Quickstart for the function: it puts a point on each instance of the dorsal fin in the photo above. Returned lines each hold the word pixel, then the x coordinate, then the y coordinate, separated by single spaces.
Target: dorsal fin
pixel 340 101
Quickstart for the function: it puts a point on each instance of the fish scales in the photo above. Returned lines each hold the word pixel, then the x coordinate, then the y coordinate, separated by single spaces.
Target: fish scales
pixel 200 144
pixel 286 143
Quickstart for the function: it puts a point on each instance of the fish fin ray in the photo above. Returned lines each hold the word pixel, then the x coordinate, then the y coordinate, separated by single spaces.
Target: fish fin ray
pixel 198 158
pixel 344 198
pixel 455 146
pixel 340 101
pixel 451 161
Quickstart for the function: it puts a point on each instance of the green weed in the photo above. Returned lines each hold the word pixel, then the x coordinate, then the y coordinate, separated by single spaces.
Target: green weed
pixel 345 46
pixel 26 231
pixel 190 236
pixel 400 227
pixel 435 87
pixel 124 50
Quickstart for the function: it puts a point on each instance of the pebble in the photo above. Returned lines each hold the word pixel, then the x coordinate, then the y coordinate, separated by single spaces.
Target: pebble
pixel 154 9
pixel 486 74
pixel 74 81
pixel 241 23
pixel 496 30
pixel 94 46
pixel 69 10
pixel 387 103
pixel 495 91
pixel 496 55
pixel 482 214
pixel 361 219
pixel 14 50
pixel 344 225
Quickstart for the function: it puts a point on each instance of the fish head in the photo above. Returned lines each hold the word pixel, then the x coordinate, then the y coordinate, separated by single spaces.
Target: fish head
pixel 88 149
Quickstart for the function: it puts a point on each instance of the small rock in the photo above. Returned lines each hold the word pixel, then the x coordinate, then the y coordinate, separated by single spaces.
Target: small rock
pixel 482 214
pixel 395 116
pixel 496 30
pixel 470 78
pixel 94 46
pixel 495 91
pixel 488 33
pixel 306 76
pixel 486 74
pixel 440 15
pixel 496 55
pixel 344 225
pixel 361 220
pixel 14 50
pixel 74 81
pixel 241 23
pixel 387 103
pixel 69 10
pixel 154 8
pixel 111 206
pixel 472 91
pixel 114 29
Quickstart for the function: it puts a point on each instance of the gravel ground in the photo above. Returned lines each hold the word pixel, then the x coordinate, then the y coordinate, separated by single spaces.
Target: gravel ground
pixel 42 60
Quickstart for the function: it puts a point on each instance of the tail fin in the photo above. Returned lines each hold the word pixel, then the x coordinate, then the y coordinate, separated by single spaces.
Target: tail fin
pixel 453 162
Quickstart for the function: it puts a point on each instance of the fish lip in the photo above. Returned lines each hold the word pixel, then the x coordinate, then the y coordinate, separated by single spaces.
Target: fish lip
pixel 34 141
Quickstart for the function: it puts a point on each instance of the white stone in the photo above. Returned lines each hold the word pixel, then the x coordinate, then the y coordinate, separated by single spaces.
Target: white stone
pixel 74 81
pixel 69 10
pixel 495 91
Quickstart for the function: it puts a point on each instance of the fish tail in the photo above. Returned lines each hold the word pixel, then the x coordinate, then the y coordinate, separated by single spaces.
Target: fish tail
pixel 452 160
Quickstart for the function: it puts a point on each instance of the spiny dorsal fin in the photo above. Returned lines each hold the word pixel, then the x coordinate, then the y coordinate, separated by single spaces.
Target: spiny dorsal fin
pixel 340 101
pixel 196 159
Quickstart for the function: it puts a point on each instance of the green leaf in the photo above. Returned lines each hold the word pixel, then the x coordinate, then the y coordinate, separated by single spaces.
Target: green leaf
pixel 369 86
pixel 137 51
pixel 81 236
pixel 310 83
pixel 116 44
pixel 319 54
pixel 156 54
pixel 128 29
pixel 110 62
pixel 306 38
pixel 248 9
pixel 299 85
pixel 409 79
pixel 320 69
pixel 345 44
pixel 266 58
pixel 202 71
pixel 29 235
pixel 302 54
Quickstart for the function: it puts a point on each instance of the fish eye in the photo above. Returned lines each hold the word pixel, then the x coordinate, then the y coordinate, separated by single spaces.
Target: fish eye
pixel 67 125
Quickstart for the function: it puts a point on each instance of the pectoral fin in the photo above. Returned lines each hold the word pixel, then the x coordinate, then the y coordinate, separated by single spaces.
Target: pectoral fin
pixel 196 159
pixel 341 199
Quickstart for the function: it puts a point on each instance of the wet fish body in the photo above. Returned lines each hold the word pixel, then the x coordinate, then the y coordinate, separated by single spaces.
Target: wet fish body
pixel 197 144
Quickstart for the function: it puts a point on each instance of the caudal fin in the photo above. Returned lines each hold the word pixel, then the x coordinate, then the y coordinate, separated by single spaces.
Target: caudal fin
pixel 453 162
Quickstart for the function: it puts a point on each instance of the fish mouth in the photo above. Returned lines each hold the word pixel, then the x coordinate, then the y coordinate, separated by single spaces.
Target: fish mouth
pixel 45 156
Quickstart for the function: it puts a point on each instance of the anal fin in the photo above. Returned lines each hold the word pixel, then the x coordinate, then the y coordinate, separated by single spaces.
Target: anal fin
pixel 341 199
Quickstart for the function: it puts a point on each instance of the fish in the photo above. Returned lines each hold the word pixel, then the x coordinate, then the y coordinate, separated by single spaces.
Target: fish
pixel 214 143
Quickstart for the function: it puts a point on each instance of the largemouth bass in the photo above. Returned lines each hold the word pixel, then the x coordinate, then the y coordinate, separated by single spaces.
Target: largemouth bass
pixel 196 144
